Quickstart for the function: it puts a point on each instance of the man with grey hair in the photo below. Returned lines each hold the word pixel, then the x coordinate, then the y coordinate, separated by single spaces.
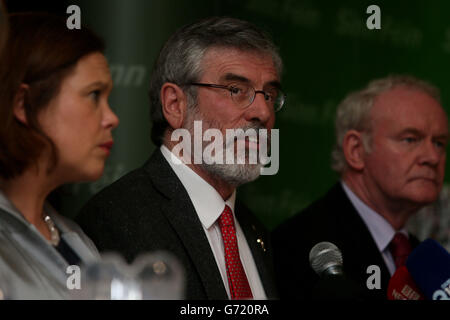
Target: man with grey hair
pixel 223 73
pixel 390 151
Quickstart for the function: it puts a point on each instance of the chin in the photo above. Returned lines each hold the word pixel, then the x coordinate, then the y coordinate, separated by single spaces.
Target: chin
pixel 95 177
pixel 92 175
pixel 235 174
pixel 425 197
pixel 425 192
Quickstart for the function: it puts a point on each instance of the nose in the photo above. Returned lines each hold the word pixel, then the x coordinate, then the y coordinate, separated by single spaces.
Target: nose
pixel 110 119
pixel 431 154
pixel 260 111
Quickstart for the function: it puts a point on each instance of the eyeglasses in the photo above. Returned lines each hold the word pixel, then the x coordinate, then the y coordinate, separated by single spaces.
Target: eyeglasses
pixel 243 95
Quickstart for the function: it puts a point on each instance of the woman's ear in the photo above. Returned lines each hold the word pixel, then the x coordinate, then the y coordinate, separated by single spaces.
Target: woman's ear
pixel 19 103
pixel 174 104
pixel 353 148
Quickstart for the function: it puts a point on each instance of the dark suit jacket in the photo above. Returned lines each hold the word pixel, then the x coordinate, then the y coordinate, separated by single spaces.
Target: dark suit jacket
pixel 148 209
pixel 332 218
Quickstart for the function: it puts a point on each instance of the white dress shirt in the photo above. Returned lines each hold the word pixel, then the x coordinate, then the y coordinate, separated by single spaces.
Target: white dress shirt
pixel 380 229
pixel 209 205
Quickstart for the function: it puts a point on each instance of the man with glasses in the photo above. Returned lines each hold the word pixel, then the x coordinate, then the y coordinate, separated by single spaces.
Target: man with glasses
pixel 224 73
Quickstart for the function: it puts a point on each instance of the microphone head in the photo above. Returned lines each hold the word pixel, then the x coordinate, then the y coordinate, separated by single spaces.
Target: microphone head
pixel 326 259
pixel 429 265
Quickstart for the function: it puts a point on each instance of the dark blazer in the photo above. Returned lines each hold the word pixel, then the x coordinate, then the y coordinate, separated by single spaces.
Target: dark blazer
pixel 148 209
pixel 332 218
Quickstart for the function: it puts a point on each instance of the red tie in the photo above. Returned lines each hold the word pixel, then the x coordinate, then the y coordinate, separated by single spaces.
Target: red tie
pixel 400 249
pixel 237 280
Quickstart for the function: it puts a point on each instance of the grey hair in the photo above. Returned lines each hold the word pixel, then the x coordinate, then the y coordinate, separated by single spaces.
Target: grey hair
pixel 180 60
pixel 353 113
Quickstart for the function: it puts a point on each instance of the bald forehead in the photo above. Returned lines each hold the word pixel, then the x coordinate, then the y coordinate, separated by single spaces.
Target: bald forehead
pixel 404 109
pixel 402 101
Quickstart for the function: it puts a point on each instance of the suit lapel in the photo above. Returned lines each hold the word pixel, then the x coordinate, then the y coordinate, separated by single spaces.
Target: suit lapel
pixel 359 243
pixel 258 242
pixel 366 254
pixel 181 214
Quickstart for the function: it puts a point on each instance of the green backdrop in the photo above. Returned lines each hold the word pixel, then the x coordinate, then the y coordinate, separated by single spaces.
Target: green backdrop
pixel 327 52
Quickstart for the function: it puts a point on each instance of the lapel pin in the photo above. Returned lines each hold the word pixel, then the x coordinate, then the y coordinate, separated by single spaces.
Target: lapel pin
pixel 261 243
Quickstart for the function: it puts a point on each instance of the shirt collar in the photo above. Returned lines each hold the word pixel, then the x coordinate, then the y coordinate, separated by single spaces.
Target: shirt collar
pixel 9 207
pixel 207 201
pixel 380 229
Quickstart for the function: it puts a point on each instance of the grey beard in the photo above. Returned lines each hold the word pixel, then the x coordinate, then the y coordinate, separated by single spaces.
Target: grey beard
pixel 234 174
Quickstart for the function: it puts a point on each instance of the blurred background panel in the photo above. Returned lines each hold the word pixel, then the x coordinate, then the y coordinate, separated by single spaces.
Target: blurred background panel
pixel 3 25
pixel 327 49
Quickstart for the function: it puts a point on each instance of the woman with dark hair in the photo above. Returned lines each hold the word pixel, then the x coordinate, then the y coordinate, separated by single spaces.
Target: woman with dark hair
pixel 55 128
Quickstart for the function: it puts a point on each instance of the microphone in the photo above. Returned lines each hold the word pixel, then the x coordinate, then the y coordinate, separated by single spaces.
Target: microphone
pixel 326 260
pixel 402 286
pixel 429 266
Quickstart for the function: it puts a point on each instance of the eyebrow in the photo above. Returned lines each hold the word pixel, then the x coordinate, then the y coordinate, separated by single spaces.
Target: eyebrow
pixel 236 77
pixel 420 133
pixel 410 130
pixel 442 136
pixel 98 84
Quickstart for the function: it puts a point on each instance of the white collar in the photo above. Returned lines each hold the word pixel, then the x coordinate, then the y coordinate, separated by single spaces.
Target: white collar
pixel 207 201
pixel 380 229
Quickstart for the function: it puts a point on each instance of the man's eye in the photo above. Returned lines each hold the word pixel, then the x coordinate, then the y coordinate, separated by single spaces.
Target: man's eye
pixel 440 144
pixel 269 96
pixel 95 95
pixel 236 90
pixel 273 93
pixel 410 139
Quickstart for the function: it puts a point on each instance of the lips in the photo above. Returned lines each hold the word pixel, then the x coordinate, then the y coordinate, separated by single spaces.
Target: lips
pixel 431 179
pixel 107 146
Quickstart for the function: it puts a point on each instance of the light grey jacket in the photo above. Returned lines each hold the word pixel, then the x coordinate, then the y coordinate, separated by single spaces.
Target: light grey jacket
pixel 30 267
